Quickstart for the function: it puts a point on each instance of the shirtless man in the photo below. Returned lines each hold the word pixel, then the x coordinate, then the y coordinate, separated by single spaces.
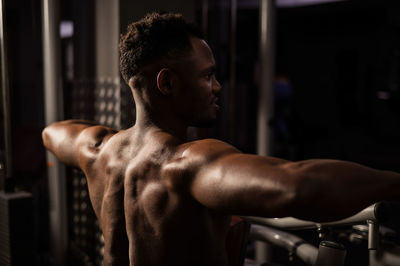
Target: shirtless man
pixel 163 201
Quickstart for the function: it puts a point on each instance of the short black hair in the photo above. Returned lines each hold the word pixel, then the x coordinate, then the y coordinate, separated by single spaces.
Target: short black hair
pixel 155 37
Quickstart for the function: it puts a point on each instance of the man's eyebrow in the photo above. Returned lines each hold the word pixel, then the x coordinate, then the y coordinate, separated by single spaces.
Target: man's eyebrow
pixel 211 68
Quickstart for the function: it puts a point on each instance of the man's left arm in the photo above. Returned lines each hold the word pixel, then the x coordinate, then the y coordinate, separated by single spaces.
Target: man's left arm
pixel 319 189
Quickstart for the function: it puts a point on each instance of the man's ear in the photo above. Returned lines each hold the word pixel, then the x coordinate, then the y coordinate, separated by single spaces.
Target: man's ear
pixel 165 81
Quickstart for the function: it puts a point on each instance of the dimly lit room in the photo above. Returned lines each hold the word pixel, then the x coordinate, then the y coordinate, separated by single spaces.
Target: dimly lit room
pixel 200 132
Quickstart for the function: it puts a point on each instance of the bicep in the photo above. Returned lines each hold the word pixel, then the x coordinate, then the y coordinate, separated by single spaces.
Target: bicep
pixel 245 184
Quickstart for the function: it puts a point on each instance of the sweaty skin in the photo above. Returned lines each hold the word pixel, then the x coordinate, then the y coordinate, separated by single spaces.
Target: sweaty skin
pixel 163 201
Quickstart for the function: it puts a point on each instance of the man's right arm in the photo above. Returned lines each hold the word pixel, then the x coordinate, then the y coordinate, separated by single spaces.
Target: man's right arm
pixel 318 190
pixel 75 142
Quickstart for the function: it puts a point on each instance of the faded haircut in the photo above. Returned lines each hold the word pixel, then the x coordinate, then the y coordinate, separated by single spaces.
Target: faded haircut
pixel 154 38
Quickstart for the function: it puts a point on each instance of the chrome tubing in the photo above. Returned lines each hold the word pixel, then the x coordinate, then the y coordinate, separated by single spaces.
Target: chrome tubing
pixel 6 184
pixel 266 76
pixel 53 100
pixel 331 254
pixel 295 245
pixel 267 9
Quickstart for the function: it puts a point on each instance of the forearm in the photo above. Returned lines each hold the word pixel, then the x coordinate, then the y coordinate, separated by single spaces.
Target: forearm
pixel 330 189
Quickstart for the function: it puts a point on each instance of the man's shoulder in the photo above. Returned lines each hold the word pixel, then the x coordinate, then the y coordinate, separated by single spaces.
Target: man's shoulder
pixel 97 142
pixel 97 133
pixel 193 155
pixel 207 149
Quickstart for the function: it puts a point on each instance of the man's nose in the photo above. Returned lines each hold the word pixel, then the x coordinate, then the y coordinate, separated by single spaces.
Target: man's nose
pixel 216 86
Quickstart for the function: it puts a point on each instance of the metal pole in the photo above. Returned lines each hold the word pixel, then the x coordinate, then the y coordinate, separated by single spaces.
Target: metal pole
pixel 107 67
pixel 6 184
pixel 53 112
pixel 266 93
pixel 267 65
pixel 232 70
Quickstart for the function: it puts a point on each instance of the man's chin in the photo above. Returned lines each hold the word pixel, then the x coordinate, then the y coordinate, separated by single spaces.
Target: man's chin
pixel 205 123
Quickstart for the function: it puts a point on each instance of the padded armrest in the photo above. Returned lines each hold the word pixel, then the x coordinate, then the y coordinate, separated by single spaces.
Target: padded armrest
pixel 385 211
pixel 290 223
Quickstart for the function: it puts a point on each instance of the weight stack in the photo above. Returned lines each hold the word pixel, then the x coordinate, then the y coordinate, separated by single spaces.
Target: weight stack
pixel 16 229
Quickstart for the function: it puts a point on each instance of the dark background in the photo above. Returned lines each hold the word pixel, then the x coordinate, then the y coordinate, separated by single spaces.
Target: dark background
pixel 341 62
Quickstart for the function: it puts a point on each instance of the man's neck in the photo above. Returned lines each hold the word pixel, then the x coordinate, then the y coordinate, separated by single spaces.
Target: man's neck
pixel 146 119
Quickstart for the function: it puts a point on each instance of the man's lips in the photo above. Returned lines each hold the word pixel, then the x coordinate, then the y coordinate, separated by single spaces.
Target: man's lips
pixel 215 102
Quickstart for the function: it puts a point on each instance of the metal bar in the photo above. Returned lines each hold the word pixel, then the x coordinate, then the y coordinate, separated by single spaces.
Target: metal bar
pixel 53 112
pixel 265 96
pixel 373 234
pixel 267 65
pixel 295 245
pixel 107 33
pixel 107 68
pixel 290 223
pixel 6 184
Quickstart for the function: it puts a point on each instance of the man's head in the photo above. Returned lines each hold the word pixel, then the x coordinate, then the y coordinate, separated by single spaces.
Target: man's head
pixel 153 39
pixel 167 59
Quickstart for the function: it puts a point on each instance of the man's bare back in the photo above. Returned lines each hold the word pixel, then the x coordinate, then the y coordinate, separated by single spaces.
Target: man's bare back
pixel 163 201
pixel 138 180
